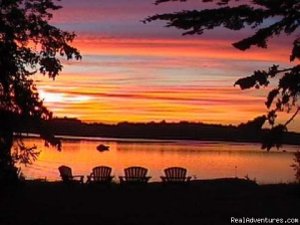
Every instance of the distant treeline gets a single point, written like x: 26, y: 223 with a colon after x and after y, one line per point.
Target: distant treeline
x: 249, y: 132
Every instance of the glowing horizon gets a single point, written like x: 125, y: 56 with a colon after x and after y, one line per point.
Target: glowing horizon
x: 140, y: 73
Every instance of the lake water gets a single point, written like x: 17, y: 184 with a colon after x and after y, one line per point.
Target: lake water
x: 204, y: 160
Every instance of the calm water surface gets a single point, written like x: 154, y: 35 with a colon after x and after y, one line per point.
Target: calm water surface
x: 204, y: 160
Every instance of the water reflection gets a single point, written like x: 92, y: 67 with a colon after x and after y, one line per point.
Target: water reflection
x: 203, y: 160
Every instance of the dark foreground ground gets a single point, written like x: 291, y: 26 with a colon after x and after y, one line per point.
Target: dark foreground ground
x: 202, y: 202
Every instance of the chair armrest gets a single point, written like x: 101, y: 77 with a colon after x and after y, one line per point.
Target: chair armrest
x: 110, y: 178
x: 164, y: 179
x: 175, y: 179
x: 147, y: 178
x: 89, y: 178
x: 80, y: 177
x: 122, y: 179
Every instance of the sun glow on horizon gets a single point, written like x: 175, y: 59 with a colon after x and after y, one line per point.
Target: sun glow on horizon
x: 140, y: 73
x: 64, y: 97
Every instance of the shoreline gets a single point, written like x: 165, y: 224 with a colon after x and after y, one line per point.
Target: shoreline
x: 162, y: 131
x: 144, y: 140
x: 202, y: 202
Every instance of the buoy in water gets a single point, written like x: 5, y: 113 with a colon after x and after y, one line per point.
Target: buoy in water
x: 102, y: 148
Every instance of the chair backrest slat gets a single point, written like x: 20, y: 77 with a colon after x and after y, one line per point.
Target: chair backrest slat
x: 135, y: 172
x: 65, y: 173
x: 101, y: 172
x: 175, y: 173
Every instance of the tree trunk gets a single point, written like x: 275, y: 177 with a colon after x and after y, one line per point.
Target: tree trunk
x: 8, y: 171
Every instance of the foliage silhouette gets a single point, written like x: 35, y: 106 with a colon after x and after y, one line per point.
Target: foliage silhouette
x: 254, y: 14
x: 296, y: 166
x: 28, y: 44
x: 249, y: 132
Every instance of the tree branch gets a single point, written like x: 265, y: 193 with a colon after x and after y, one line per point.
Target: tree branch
x: 292, y: 117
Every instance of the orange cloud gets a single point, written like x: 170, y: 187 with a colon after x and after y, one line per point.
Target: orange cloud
x: 158, y: 79
x: 202, y: 48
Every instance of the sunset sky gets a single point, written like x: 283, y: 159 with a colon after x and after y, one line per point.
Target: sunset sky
x: 131, y: 71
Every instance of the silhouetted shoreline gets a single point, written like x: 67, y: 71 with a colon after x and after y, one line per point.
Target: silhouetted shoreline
x: 248, y: 132
x: 201, y: 202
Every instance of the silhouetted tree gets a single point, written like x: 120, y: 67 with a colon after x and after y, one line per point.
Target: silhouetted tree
x: 254, y: 125
x: 28, y: 44
x: 296, y: 166
x: 270, y: 18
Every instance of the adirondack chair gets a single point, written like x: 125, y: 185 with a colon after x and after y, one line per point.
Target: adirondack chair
x: 100, y: 174
x: 67, y: 176
x: 175, y: 175
x: 135, y: 174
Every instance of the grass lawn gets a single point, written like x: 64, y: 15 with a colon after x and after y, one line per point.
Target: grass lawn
x: 201, y: 202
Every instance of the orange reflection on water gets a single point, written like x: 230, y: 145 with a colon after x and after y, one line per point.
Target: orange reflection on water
x: 204, y: 160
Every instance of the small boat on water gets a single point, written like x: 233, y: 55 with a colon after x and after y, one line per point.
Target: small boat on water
x: 102, y: 148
